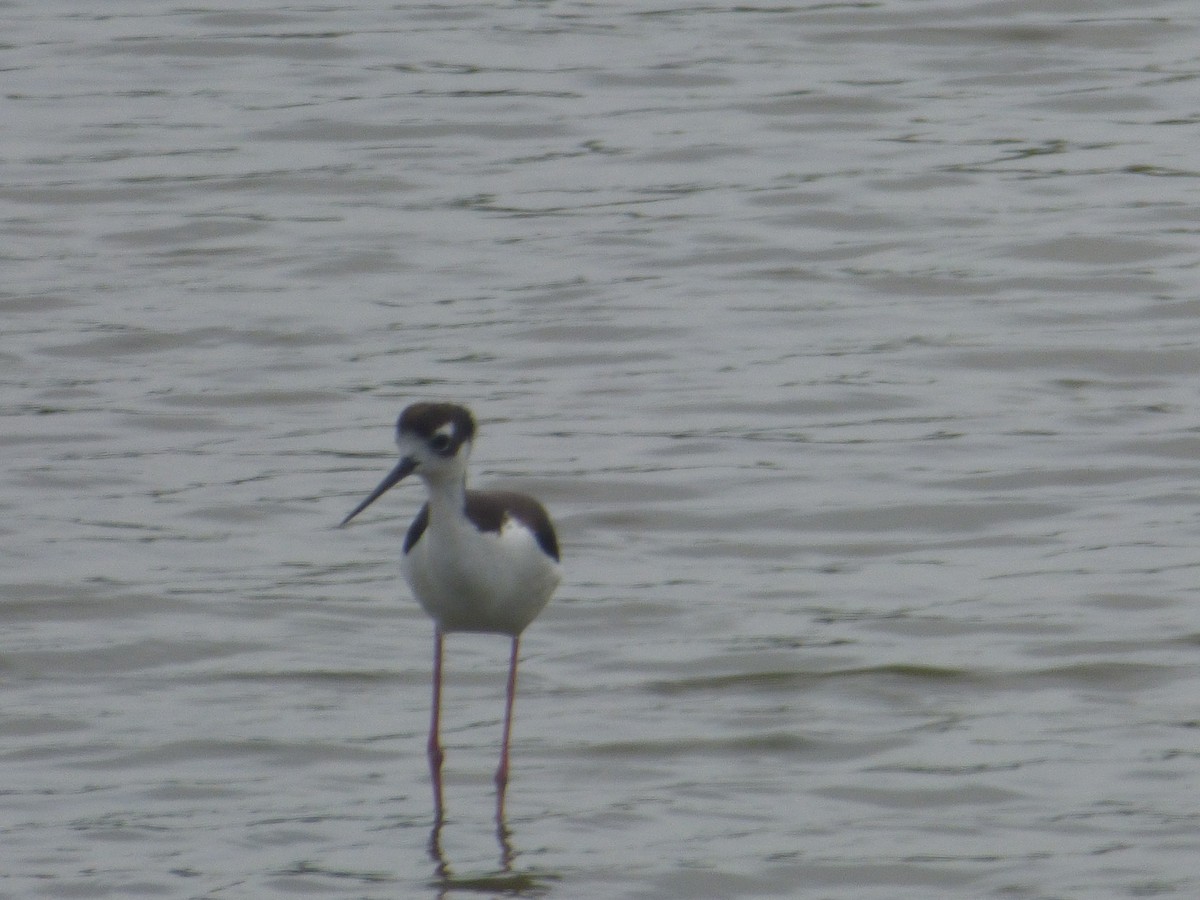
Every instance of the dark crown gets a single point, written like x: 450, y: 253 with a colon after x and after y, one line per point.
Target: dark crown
x: 425, y: 419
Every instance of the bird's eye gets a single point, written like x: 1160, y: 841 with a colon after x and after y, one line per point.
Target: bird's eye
x: 439, y: 443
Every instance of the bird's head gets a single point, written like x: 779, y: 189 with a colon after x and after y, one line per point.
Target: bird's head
x: 434, y: 440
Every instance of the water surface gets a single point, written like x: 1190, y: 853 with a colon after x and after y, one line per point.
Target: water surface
x: 853, y: 346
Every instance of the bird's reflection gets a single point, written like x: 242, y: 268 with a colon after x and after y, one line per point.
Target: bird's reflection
x: 441, y: 867
x: 504, y: 840
x: 503, y: 879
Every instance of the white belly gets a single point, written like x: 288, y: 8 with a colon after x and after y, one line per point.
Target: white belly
x: 469, y: 580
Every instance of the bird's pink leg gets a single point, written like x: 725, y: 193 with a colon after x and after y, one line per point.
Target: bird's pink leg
x: 510, y: 695
x: 434, y: 748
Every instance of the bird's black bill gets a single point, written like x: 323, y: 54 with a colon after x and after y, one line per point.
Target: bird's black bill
x: 403, y: 469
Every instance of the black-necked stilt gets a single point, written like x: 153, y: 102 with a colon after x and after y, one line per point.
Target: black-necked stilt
x: 476, y: 560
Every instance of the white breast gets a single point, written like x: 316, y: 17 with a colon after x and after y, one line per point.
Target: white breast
x: 469, y: 580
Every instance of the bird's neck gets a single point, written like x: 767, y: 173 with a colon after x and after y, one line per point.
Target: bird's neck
x: 448, y: 495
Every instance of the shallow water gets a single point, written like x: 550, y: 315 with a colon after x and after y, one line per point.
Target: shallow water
x: 853, y: 346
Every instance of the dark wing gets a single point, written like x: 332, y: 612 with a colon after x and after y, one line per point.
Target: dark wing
x: 488, y: 509
x: 417, y: 528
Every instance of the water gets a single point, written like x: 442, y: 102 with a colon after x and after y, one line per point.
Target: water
x: 852, y: 345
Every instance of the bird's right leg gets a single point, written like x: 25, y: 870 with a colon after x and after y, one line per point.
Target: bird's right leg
x: 434, y: 748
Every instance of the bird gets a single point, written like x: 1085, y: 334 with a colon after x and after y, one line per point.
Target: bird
x: 476, y: 561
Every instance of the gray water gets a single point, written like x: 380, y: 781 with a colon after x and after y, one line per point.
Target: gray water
x: 854, y: 347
